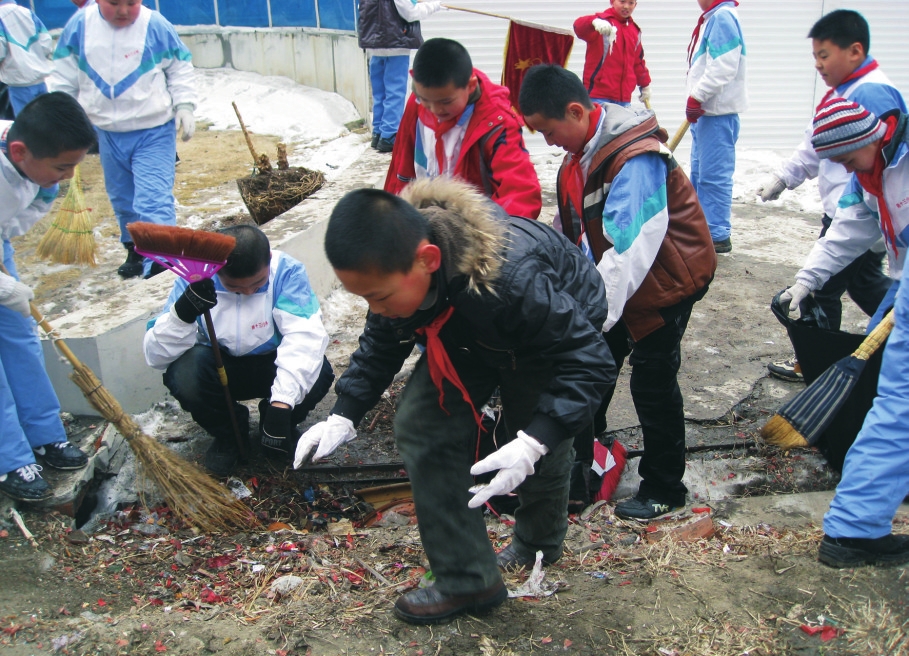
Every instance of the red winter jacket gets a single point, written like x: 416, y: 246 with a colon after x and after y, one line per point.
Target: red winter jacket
x: 613, y: 76
x: 493, y: 157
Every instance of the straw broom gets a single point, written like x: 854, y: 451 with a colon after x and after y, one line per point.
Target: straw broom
x: 70, y: 238
x: 193, y: 255
x: 802, y: 420
x: 191, y: 494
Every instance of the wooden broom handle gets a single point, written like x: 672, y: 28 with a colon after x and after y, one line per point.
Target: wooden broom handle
x: 677, y: 137
x: 875, y: 338
x: 222, y: 374
x: 249, y: 143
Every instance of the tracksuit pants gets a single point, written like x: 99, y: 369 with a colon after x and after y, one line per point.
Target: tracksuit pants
x: 388, y: 77
x: 29, y: 409
x: 875, y: 476
x: 713, y: 141
x: 139, y: 175
x: 19, y: 97
x: 438, y: 446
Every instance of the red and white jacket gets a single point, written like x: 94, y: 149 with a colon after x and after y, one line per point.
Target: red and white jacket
x: 612, y: 74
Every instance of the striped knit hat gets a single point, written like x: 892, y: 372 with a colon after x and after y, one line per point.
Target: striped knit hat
x: 841, y: 126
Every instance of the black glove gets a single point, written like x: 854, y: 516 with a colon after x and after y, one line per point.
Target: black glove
x: 277, y: 429
x: 198, y: 297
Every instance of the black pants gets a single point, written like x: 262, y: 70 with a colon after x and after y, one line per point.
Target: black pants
x: 193, y: 380
x: 655, y: 362
x: 863, y: 279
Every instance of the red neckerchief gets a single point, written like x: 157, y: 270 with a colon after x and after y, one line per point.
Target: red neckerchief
x: 854, y: 75
x: 697, y: 28
x: 873, y: 182
x: 439, y: 128
x: 439, y: 363
x: 573, y: 176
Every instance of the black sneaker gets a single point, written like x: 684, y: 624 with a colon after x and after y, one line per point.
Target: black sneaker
x: 723, y: 246
x: 509, y: 559
x: 374, y: 144
x: 386, y: 145
x: 62, y: 455
x: 221, y: 457
x: 135, y: 263
x: 25, y: 484
x: 789, y: 370
x: 643, y: 508
x: 856, y: 552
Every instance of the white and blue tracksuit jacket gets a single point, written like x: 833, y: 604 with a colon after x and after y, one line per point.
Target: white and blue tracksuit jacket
x: 875, y: 93
x: 856, y: 226
x: 127, y: 78
x: 24, y: 202
x: 284, y: 315
x: 716, y: 77
x: 25, y: 46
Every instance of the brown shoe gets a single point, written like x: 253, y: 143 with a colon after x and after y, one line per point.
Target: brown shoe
x: 428, y: 605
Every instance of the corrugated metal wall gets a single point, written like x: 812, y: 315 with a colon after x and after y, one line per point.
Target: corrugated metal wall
x: 781, y: 78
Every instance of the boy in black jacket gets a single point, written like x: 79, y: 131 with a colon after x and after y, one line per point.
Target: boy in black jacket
x: 499, y: 302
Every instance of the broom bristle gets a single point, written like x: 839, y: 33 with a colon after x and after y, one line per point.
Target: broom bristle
x: 779, y: 432
x: 70, y: 238
x: 179, y: 242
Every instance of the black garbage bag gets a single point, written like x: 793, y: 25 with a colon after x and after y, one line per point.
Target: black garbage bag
x: 817, y: 347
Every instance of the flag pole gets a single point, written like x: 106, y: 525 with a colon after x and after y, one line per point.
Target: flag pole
x: 476, y: 11
x: 547, y: 28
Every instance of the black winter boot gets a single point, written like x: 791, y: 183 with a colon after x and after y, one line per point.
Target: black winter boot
x: 135, y: 263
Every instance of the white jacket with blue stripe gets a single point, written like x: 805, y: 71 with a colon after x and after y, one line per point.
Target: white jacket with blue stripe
x: 127, y: 78
x: 25, y: 46
x: 282, y: 316
x: 716, y: 77
x: 23, y: 201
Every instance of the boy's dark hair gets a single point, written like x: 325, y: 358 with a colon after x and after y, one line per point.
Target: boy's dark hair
x: 373, y: 230
x: 440, y: 61
x: 547, y: 89
x: 51, y: 124
x: 842, y: 27
x: 251, y: 253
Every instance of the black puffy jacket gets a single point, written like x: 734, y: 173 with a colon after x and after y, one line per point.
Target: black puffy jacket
x: 381, y: 26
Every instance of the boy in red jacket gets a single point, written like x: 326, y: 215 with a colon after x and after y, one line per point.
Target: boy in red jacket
x: 614, y: 63
x: 458, y: 123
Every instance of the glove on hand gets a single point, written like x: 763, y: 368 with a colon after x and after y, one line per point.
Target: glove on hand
x: 771, y: 188
x: 195, y: 300
x: 185, y: 121
x: 693, y: 110
x: 792, y: 297
x: 608, y: 30
x: 327, y: 435
x: 15, y: 295
x: 278, y: 427
x: 514, y: 461
x: 645, y: 95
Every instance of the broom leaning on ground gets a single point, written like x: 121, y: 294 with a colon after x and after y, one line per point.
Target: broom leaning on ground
x: 191, y: 494
x: 70, y: 238
x: 802, y: 420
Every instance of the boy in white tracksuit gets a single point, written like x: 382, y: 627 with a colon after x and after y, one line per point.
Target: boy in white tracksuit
x: 25, y: 51
x: 134, y: 77
x: 716, y: 97
x: 269, y: 327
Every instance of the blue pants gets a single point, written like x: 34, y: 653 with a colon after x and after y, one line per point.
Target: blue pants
x: 19, y: 97
x: 876, y: 472
x: 139, y: 175
x: 29, y: 409
x: 712, y: 165
x: 388, y: 77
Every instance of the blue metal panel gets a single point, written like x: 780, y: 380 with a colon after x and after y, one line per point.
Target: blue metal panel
x: 53, y: 13
x: 293, y: 13
x: 186, y: 12
x: 337, y: 14
x: 245, y: 13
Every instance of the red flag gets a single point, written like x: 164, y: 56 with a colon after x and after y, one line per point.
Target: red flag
x: 529, y: 44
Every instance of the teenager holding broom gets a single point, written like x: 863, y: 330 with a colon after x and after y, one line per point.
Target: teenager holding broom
x: 269, y: 327
x: 49, y: 137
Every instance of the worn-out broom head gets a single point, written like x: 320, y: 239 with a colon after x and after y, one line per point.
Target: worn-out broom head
x: 779, y: 432
x: 191, y: 254
x: 70, y: 238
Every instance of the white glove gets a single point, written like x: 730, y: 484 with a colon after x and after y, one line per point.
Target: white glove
x: 436, y: 6
x: 15, y: 295
x: 604, y: 27
x: 645, y: 95
x: 771, y: 188
x: 185, y: 121
x: 514, y: 461
x: 792, y: 297
x: 327, y: 435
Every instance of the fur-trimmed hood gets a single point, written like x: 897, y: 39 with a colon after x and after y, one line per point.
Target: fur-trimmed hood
x: 464, y: 227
